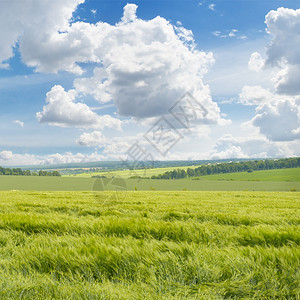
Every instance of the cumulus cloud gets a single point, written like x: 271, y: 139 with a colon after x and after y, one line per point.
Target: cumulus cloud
x: 256, y: 62
x: 147, y: 66
x: 115, y: 145
x: 95, y: 138
x: 283, y: 24
x: 38, y: 28
x: 129, y: 13
x: 6, y: 155
x: 276, y: 116
x: 143, y: 66
x: 279, y: 121
x: 61, y: 109
x: 8, y: 158
x: 283, y: 52
x: 255, y: 95
x: 69, y: 157
x: 252, y: 147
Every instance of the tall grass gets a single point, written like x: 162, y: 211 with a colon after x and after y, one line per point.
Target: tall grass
x: 151, y: 245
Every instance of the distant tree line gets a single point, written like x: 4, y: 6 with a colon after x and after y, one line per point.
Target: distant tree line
x: 231, y: 167
x: 20, y: 172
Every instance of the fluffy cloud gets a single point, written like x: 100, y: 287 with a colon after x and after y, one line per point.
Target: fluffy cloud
x: 129, y: 13
x: 255, y: 95
x: 95, y: 138
x: 279, y: 121
x: 147, y: 66
x: 283, y: 52
x: 63, y: 110
x: 283, y: 24
x: 252, y: 147
x: 69, y: 157
x: 256, y: 62
x: 143, y: 66
x: 278, y: 113
x: 111, y: 146
x: 276, y: 116
x: 35, y: 25
x: 6, y: 155
x: 8, y: 158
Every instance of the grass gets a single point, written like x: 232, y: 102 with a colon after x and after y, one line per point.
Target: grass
x: 90, y: 184
x: 292, y: 174
x: 128, y: 173
x: 149, y: 245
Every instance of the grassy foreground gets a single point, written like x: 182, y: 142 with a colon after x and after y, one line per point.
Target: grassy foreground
x: 149, y: 245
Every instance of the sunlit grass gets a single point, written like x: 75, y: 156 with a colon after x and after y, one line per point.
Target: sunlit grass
x: 149, y: 245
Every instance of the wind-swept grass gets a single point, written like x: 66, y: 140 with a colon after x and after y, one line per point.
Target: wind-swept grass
x: 149, y: 245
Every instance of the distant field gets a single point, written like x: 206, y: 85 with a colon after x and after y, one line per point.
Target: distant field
x: 149, y: 245
x: 292, y: 174
x: 89, y: 184
x: 129, y: 173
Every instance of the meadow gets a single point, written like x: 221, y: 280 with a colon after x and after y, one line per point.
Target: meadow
x: 128, y: 173
x: 271, y: 180
x: 289, y: 174
x: 149, y: 245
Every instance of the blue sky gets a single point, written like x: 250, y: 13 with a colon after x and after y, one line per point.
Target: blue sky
x: 87, y: 80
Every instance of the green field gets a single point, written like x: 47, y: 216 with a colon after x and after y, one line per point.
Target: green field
x: 128, y: 173
x: 292, y: 174
x: 271, y: 180
x: 149, y: 245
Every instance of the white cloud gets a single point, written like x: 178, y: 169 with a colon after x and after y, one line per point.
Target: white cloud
x: 252, y: 147
x: 129, y: 13
x: 233, y: 33
x: 6, y: 155
x: 111, y: 146
x: 276, y: 116
x: 142, y: 77
x: 212, y: 6
x: 8, y: 158
x: 61, y: 109
x: 279, y: 121
x: 255, y: 95
x: 95, y: 138
x: 216, y: 33
x: 256, y: 62
x: 147, y: 66
x: 19, y: 123
x: 286, y: 81
x: 283, y: 52
x: 36, y: 26
x: 69, y: 157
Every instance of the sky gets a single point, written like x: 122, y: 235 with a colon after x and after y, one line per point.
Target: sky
x: 104, y: 80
